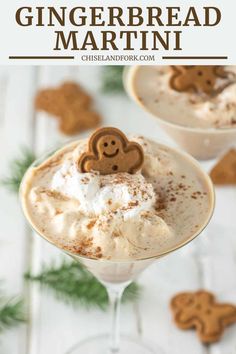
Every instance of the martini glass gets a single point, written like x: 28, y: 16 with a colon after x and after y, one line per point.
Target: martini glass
x: 116, y: 276
x: 205, y: 144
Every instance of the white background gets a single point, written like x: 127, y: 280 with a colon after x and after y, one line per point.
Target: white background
x: 208, y: 262
x: 213, y: 41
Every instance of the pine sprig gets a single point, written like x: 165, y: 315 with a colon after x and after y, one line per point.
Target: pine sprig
x: 11, y: 313
x: 73, y: 284
x: 18, y: 167
x: 112, y: 81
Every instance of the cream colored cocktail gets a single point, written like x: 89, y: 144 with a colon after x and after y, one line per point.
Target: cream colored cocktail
x: 203, y: 125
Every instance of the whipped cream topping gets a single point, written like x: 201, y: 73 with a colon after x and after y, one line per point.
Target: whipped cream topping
x: 221, y: 111
x: 118, y: 216
x: 152, y: 89
x: 104, y: 193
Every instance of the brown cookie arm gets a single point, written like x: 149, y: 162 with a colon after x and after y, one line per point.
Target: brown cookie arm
x: 180, y: 80
x: 179, y: 305
x: 94, y: 164
x: 209, y: 337
x: 178, y: 69
x: 134, y: 157
x: 83, y: 161
x: 71, y: 122
x: 214, y: 325
x: 91, y: 163
x: 211, y: 326
x: 174, y: 81
x: 227, y: 313
x: 89, y: 119
x: 47, y: 100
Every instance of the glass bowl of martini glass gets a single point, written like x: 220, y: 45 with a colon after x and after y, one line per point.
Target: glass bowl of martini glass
x: 116, y: 225
x: 204, y: 125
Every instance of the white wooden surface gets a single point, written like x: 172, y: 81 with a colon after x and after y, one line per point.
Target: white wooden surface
x: 209, y: 261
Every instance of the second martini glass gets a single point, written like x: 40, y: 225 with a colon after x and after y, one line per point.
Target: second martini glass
x: 205, y: 144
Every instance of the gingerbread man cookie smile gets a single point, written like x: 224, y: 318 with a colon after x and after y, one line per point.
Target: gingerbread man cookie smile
x: 109, y: 151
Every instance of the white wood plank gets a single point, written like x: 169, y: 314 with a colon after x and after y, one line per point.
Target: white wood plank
x: 221, y: 263
x: 168, y: 276
x: 16, y: 87
x: 46, y: 137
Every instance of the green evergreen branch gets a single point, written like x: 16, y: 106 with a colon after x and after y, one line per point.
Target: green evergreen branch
x: 11, y: 313
x: 18, y: 167
x: 112, y: 80
x: 73, y: 284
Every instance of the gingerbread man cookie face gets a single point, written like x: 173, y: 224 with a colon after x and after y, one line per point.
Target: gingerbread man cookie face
x: 201, y: 79
x: 200, y: 310
x: 109, y: 151
x: 109, y: 146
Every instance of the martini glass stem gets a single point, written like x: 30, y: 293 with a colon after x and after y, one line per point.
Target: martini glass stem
x: 115, y: 292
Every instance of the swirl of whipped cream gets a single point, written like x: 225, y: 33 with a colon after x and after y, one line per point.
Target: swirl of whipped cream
x: 98, y: 194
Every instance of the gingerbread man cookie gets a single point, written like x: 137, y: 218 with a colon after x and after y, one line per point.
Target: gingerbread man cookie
x: 109, y: 151
x: 197, y: 78
x: 71, y: 105
x: 200, y: 310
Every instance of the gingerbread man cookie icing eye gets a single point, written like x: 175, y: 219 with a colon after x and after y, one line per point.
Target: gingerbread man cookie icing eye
x: 109, y: 151
x: 201, y: 79
x: 200, y: 310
